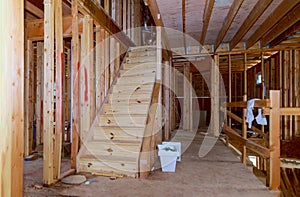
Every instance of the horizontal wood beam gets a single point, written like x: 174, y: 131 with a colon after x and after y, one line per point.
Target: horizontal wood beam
x: 236, y: 5
x: 209, y: 5
x: 105, y: 21
x: 34, y: 10
x: 256, y: 12
x: 284, y: 24
x: 243, y: 104
x: 35, y: 28
x: 281, y: 10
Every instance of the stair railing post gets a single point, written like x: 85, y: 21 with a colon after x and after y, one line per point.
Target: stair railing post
x: 274, y: 140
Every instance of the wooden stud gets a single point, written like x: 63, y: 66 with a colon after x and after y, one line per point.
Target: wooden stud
x: 229, y: 85
x: 12, y: 97
x: 166, y: 85
x: 75, y: 85
x: 285, y: 92
x: 85, y: 84
x: 29, y: 72
x: 274, y: 140
x: 159, y: 79
x: 59, y: 75
x: 98, y: 69
x: 244, y: 129
x: 39, y: 91
x: 124, y: 16
x: 92, y: 77
x: 296, y: 88
x: 48, y: 112
x: 214, y: 94
x: 186, y: 97
x: 291, y: 65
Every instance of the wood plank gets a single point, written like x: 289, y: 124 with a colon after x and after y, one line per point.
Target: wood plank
x: 209, y: 5
x: 273, y: 18
x: 118, y: 133
x: 39, y: 93
x: 159, y: 36
x: 257, y: 103
x: 29, y: 76
x: 35, y: 28
x: 274, y: 140
x: 122, y: 120
x: 48, y: 113
x: 260, y: 150
x: 98, y: 66
x: 235, y: 7
x: 106, y: 22
x: 149, y: 143
x: 75, y: 85
x: 296, y: 90
x: 167, y: 115
x: 33, y: 9
x: 255, y: 13
x: 85, y: 84
x: 59, y: 75
x: 12, y: 97
x: 186, y: 99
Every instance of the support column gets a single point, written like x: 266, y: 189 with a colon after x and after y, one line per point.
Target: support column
x: 11, y: 97
x: 166, y: 85
x: 48, y: 118
x: 75, y: 85
x: 244, y: 129
x: 59, y: 75
x: 215, y: 97
x: 186, y: 97
x: 159, y: 79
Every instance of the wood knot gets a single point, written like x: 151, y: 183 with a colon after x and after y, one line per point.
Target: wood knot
x: 110, y: 150
x: 108, y: 121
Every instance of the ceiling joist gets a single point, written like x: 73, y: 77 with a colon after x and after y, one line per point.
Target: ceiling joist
x: 236, y: 5
x: 256, y: 12
x: 273, y: 18
x: 34, y: 10
x: 206, y: 18
x: 283, y: 25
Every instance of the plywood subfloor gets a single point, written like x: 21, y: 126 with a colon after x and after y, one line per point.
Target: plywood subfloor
x: 219, y: 173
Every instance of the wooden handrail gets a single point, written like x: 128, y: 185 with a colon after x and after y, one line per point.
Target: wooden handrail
x: 260, y: 150
x: 243, y: 104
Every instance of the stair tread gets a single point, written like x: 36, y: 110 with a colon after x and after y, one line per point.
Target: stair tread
x: 109, y: 158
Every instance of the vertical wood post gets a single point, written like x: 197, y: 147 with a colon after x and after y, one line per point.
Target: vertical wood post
x: 98, y: 68
x: 159, y: 79
x: 59, y: 75
x: 244, y: 129
x: 11, y: 97
x: 29, y: 98
x: 229, y: 86
x: 274, y: 139
x: 48, y: 93
x: 186, y: 97
x: 215, y: 97
x: 166, y: 89
x: 75, y: 84
x: 85, y: 84
x: 39, y: 93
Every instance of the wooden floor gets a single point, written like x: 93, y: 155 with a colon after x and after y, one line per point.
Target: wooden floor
x: 219, y: 173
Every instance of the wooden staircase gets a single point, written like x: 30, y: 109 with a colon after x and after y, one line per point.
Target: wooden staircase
x: 113, y: 146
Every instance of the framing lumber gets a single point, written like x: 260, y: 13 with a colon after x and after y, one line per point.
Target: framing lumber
x: 272, y: 19
x: 209, y: 5
x: 35, y: 28
x: 39, y: 93
x: 85, y: 84
x: 48, y: 112
x: 159, y: 80
x: 186, y: 97
x: 290, y: 31
x: 106, y: 22
x: 12, y: 97
x: 75, y: 85
x: 98, y: 69
x: 256, y: 12
x: 214, y: 122
x: 34, y: 10
x: 274, y: 140
x: 236, y: 5
x: 59, y: 75
x: 28, y: 124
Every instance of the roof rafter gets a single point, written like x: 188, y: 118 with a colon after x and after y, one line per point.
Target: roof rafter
x: 34, y: 10
x: 236, y: 5
x: 254, y: 15
x: 284, y: 24
x: 209, y: 5
x: 272, y: 19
